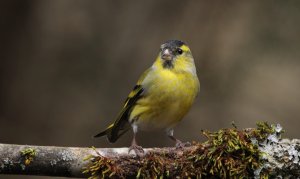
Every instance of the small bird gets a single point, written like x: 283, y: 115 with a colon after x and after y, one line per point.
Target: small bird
x: 162, y: 96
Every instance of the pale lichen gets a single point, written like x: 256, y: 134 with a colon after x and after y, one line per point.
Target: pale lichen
x: 281, y: 155
x: 53, y: 162
x: 265, y: 146
x: 66, y: 156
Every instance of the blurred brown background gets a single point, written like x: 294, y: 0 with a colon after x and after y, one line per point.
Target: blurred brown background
x: 66, y: 66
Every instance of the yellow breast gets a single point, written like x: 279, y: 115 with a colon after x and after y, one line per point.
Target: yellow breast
x: 168, y: 97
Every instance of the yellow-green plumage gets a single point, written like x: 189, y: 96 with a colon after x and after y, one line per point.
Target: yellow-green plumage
x: 163, y: 94
x: 168, y: 98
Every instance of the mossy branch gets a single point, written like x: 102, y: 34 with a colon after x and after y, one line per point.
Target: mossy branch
x: 251, y: 153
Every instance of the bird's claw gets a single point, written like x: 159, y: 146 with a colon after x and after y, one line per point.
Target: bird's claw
x: 180, y: 145
x: 137, y: 149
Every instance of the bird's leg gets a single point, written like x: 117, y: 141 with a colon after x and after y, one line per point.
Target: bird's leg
x: 178, y: 143
x: 137, y: 149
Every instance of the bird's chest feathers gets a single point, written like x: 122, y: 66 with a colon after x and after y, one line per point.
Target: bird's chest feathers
x: 167, y: 99
x: 169, y: 88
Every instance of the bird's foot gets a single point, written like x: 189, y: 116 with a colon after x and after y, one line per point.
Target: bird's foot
x: 137, y: 149
x: 180, y: 145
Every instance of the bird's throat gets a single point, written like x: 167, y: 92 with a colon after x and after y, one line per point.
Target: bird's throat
x: 167, y: 64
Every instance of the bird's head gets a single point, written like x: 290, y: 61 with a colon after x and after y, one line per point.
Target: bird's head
x: 176, y: 56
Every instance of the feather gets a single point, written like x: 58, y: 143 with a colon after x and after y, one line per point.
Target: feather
x: 121, y: 125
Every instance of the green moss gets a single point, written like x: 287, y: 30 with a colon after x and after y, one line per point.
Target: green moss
x: 101, y: 167
x: 154, y: 166
x: 227, y: 153
x: 28, y: 155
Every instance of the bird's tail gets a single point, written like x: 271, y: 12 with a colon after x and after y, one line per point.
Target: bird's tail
x: 112, y: 133
x: 105, y: 132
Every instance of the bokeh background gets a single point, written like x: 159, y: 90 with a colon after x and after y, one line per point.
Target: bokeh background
x: 66, y: 66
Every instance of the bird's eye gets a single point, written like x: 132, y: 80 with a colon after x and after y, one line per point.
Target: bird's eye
x: 179, y: 51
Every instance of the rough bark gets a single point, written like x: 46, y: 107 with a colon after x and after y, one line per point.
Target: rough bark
x: 281, y: 159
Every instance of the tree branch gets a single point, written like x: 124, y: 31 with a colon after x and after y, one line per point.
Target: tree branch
x: 48, y: 160
x: 226, y: 153
x: 65, y: 161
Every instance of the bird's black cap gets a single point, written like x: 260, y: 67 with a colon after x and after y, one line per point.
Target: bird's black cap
x: 172, y: 44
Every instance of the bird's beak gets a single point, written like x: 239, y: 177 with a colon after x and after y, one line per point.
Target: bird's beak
x: 166, y: 54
